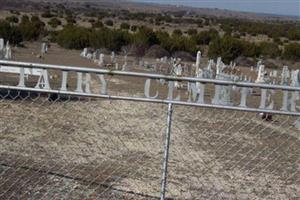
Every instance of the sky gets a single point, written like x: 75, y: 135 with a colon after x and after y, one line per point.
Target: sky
x: 281, y: 7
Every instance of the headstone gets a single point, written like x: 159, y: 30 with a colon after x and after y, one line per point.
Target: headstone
x: 97, y: 54
x: 262, y: 75
x: 8, y: 53
x: 44, y: 48
x: 289, y: 102
x: 89, y: 56
x: 1, y: 44
x: 124, y: 67
x: 113, y: 57
x: 101, y: 60
x: 141, y: 64
x: 220, y: 66
x: 285, y: 75
x: 198, y: 61
x: 259, y: 63
x: 84, y: 52
x: 178, y: 72
x: 245, y: 91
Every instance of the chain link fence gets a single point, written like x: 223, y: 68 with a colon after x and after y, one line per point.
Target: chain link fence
x: 64, y: 145
x: 68, y: 147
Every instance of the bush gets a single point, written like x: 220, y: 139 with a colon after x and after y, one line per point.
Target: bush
x: 133, y: 28
x: 227, y: 47
x: 10, y: 33
x: 73, y: 37
x: 125, y: 26
x: 250, y: 49
x: 92, y: 21
x: 177, y: 32
x: 269, y: 49
x: 47, y: 14
x: 292, y: 51
x: 31, y: 30
x: 204, y: 37
x: 70, y: 20
x: 109, y: 22
x: 145, y: 36
x: 54, y: 22
x: 98, y: 24
x: 12, y: 19
x: 192, y: 32
x: 293, y: 34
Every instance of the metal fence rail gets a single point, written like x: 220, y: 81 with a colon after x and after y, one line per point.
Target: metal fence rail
x: 68, y: 144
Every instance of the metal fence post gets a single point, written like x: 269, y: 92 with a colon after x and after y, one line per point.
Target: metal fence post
x: 166, y: 153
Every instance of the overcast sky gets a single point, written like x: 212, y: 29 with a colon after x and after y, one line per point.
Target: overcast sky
x: 282, y: 7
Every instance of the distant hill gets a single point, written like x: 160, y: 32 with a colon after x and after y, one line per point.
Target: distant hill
x: 138, y: 7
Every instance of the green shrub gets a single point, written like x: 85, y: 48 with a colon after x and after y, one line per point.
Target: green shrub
x: 12, y: 19
x: 192, y: 32
x: 33, y: 29
x: 269, y: 49
x: 10, y: 33
x: 177, y: 32
x: 292, y: 51
x: 133, y: 28
x: 204, y: 37
x: 109, y: 22
x: 227, y: 47
x: 54, y: 22
x: 98, y: 24
x: 125, y: 26
x: 47, y: 14
x: 73, y: 37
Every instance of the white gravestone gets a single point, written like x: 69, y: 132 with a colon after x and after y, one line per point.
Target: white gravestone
x: 1, y: 44
x: 44, y: 48
x: 259, y: 63
x: 8, y: 52
x: 285, y: 75
x: 84, y: 52
x: 198, y: 61
x: 262, y: 75
x: 113, y: 57
x: 178, y: 72
x: 124, y: 67
x: 289, y: 101
x: 101, y: 60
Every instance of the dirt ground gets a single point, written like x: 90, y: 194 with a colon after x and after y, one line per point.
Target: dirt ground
x: 84, y: 148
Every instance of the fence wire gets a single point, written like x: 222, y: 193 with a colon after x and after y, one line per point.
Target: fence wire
x: 68, y: 147
x: 219, y: 154
x: 55, y: 147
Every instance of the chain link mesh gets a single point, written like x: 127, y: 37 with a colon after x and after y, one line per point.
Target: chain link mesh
x: 66, y: 147
x: 56, y: 146
x: 62, y: 147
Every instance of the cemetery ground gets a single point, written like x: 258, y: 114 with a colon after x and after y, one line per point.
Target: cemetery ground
x: 98, y: 149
